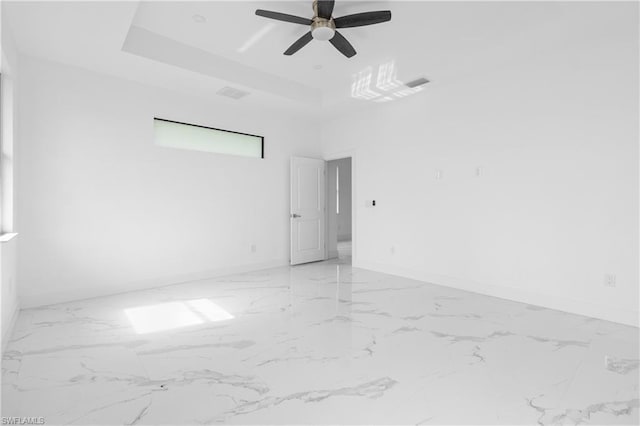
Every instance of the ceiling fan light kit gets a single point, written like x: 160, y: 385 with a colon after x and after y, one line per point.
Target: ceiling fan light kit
x: 323, y: 29
x: 323, y: 25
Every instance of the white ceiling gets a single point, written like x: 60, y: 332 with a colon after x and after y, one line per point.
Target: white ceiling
x: 159, y: 43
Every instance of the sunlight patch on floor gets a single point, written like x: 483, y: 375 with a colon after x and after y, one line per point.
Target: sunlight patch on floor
x: 172, y: 315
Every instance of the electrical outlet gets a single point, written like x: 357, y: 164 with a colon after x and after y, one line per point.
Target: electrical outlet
x: 479, y: 171
x: 610, y: 280
x: 439, y: 174
x: 253, y: 248
x: 392, y: 250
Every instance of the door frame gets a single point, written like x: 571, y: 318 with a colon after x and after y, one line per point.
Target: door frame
x: 337, y: 155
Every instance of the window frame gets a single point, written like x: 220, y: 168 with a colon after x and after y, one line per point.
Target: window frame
x: 219, y: 130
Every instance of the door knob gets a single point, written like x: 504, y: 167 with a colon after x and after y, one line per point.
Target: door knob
x: 293, y: 215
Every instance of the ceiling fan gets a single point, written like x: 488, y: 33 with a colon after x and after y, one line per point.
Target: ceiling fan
x: 323, y: 25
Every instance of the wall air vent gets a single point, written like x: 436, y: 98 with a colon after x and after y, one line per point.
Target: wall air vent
x: 230, y: 92
x: 417, y: 82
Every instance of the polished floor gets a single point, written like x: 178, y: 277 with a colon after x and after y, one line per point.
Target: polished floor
x: 322, y: 343
x: 344, y: 250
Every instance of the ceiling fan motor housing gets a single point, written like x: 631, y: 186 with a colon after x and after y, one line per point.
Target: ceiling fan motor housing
x: 323, y: 29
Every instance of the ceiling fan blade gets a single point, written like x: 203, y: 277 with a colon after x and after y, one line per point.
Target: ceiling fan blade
x: 362, y: 19
x: 325, y: 8
x: 283, y: 17
x: 341, y: 43
x: 299, y: 44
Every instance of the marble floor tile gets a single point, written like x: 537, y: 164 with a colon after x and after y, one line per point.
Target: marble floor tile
x: 320, y: 343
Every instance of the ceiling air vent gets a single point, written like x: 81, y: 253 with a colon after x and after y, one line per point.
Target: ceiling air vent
x: 417, y: 82
x: 230, y: 92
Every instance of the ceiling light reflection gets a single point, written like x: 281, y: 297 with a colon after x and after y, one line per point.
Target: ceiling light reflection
x: 361, y: 87
x: 256, y: 37
x: 387, y: 88
x: 172, y: 315
x: 407, y: 92
x: 387, y: 77
x: 383, y: 99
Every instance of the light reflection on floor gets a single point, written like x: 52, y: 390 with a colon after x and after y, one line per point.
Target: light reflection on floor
x: 172, y: 315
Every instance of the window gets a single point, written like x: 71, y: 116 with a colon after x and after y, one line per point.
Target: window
x: 337, y: 190
x: 173, y: 134
x: 7, y: 135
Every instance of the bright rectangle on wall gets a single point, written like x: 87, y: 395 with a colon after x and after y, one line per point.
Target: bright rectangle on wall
x: 173, y: 134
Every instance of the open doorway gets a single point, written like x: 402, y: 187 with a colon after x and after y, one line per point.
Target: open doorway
x: 339, y: 194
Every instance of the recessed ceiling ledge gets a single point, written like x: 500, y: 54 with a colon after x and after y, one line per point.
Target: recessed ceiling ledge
x: 150, y: 45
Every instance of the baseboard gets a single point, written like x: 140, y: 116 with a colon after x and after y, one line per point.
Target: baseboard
x: 73, y: 295
x: 8, y: 330
x: 579, y: 307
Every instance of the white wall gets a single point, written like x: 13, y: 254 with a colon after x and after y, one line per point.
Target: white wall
x: 10, y: 303
x: 103, y: 210
x: 555, y: 130
x: 9, y: 296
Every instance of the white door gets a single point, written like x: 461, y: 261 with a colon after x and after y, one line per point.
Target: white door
x: 307, y: 215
